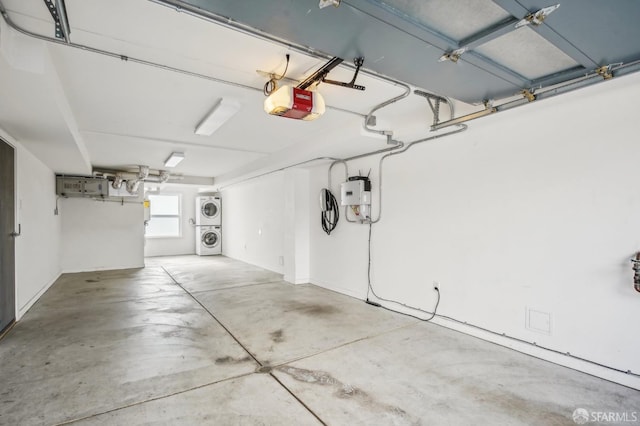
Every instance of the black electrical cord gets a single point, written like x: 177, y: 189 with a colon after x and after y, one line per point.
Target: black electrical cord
x: 370, y: 289
x: 330, y: 211
x: 271, y: 85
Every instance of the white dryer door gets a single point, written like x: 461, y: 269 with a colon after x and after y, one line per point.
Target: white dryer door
x: 210, y: 239
x: 210, y: 209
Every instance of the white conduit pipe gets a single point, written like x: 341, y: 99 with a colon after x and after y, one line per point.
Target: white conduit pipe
x: 398, y: 149
x: 16, y: 27
x: 461, y: 128
x: 406, y: 148
x: 310, y: 52
x: 387, y: 133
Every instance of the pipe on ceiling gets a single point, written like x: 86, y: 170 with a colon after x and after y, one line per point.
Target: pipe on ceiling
x: 397, y: 149
x: 369, y: 116
x: 132, y: 180
x: 110, y: 54
x: 552, y: 91
x: 26, y: 32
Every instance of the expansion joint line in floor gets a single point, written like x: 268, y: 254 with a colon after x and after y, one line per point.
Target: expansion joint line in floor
x: 234, y: 287
x: 244, y: 347
x: 372, y: 336
x: 214, y: 317
x: 298, y: 399
x: 239, y: 376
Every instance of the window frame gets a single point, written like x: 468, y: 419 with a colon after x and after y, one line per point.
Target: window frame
x: 179, y: 215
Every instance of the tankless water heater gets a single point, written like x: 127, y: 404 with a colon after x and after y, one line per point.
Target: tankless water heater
x: 356, y: 193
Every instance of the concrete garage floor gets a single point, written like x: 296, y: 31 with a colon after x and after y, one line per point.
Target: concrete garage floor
x: 209, y: 340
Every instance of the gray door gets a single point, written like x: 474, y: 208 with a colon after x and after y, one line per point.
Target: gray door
x: 7, y: 245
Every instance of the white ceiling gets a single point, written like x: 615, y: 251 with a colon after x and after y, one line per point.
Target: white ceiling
x: 76, y: 109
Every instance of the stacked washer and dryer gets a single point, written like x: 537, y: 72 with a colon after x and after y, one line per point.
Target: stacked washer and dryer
x: 208, y: 225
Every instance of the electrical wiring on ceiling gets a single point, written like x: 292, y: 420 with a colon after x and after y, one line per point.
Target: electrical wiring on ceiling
x: 272, y: 85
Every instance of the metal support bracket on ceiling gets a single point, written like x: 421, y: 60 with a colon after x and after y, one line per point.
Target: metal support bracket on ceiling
x: 453, y: 56
x: 537, y: 18
x: 58, y: 11
x: 480, y: 38
x: 605, y: 72
x: 434, y: 103
x: 350, y: 85
x: 324, y: 3
x: 321, y: 74
x: 528, y: 95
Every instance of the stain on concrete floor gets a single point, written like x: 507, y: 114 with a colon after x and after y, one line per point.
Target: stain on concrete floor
x: 345, y: 391
x: 311, y: 309
x: 232, y: 360
x: 277, y: 336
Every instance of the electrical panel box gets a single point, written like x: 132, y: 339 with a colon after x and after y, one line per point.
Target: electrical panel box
x: 79, y: 186
x: 351, y: 192
x: 355, y: 192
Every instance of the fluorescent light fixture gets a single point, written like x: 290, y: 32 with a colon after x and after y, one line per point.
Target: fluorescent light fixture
x: 222, y: 111
x: 174, y: 159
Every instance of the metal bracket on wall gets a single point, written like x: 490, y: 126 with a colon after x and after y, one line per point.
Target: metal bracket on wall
x: 58, y: 12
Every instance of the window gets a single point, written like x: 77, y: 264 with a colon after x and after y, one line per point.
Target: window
x: 165, y: 216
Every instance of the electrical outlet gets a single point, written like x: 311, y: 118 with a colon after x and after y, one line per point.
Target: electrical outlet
x: 436, y: 285
x: 281, y: 260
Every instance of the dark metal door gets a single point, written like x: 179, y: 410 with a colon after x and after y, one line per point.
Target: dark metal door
x: 7, y: 243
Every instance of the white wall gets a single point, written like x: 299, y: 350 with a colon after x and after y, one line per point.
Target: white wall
x: 534, y: 209
x: 297, y: 215
x: 38, y: 247
x: 185, y: 244
x: 253, y: 221
x: 102, y: 235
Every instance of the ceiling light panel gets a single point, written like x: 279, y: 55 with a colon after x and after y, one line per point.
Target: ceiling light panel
x: 454, y: 19
x: 222, y: 112
x: 174, y: 159
x: 527, y: 53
